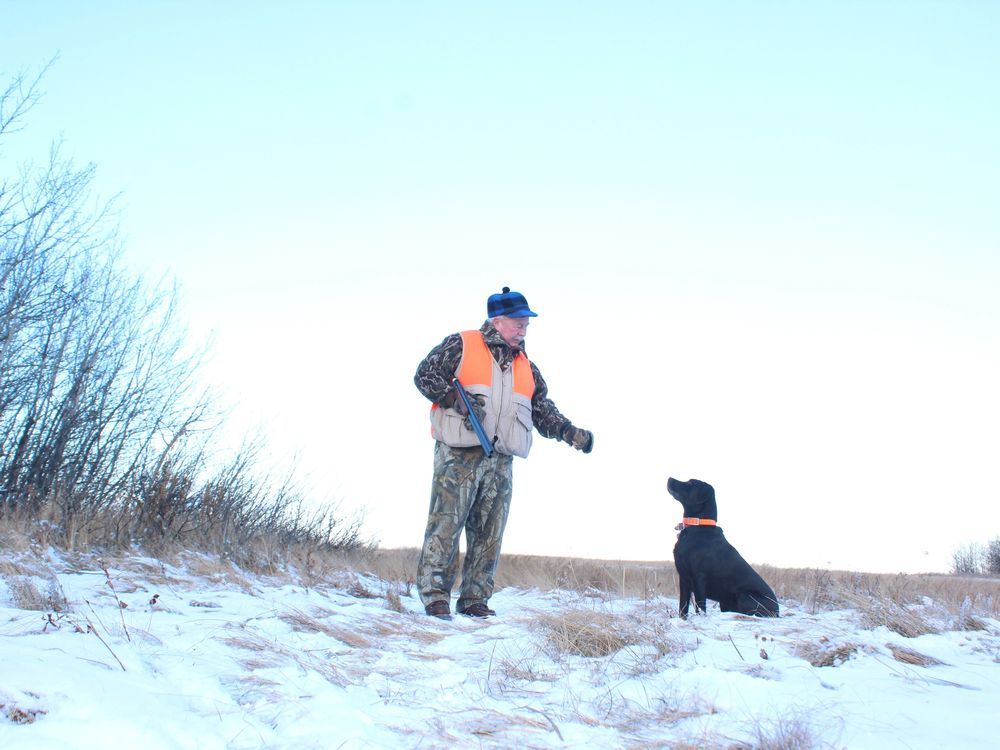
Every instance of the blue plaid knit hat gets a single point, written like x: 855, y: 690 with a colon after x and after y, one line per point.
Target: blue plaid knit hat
x: 511, y: 304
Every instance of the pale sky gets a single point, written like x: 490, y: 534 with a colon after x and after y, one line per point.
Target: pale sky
x: 763, y: 240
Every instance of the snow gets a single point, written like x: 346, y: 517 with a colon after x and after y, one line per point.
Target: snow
x: 227, y: 659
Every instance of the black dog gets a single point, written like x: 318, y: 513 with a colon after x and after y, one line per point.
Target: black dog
x: 710, y: 567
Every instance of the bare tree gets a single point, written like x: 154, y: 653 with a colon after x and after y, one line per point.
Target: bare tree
x: 103, y: 424
x: 991, y: 557
x: 967, y: 560
x: 94, y: 380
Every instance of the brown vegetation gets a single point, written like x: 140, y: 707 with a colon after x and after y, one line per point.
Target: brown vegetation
x: 886, y: 597
x: 107, y: 438
x: 793, y: 732
x: 18, y: 715
x: 909, y: 656
x: 27, y: 595
x: 585, y: 633
x: 826, y: 653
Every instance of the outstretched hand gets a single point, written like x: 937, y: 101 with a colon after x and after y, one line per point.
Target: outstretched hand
x: 581, y: 439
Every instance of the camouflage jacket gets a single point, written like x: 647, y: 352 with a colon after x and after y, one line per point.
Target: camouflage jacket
x: 435, y: 373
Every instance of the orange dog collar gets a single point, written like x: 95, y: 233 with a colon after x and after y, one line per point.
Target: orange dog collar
x: 698, y: 522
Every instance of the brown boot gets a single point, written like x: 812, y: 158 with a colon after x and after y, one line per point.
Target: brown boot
x: 438, y: 609
x: 477, y: 609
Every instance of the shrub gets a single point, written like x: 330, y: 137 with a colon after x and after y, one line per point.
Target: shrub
x: 104, y: 428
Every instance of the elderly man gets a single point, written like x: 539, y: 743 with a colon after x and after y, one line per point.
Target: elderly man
x: 470, y: 489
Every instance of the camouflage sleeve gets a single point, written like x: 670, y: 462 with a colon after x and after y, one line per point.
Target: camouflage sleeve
x: 435, y: 372
x: 545, y: 416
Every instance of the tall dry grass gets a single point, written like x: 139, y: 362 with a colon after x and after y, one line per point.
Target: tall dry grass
x: 263, y: 536
x: 885, y: 595
x: 891, y: 600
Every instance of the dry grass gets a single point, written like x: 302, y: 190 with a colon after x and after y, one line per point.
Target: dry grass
x: 581, y: 632
x: 19, y: 566
x: 826, y: 653
x: 18, y: 715
x: 964, y: 601
x: 819, y: 590
x: 970, y: 622
x: 426, y: 636
x: 348, y: 581
x: 644, y: 580
x: 877, y: 612
x: 393, y: 600
x: 652, y: 629
x: 815, y: 590
x: 495, y: 725
x: 26, y: 594
x: 786, y: 733
x: 662, y: 710
x: 303, y: 623
x: 264, y: 653
x: 619, y: 578
x: 387, y: 564
x: 217, y: 570
x: 706, y: 742
x: 205, y: 605
x: 253, y: 690
x: 909, y: 656
x: 964, y: 619
x: 380, y: 629
x: 523, y: 670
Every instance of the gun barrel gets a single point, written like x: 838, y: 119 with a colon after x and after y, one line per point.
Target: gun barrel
x: 473, y: 419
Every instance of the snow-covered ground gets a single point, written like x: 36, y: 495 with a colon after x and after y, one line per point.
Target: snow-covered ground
x: 207, y: 660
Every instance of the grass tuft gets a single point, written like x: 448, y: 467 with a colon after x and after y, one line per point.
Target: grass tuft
x: 909, y: 656
x: 824, y: 653
x: 393, y: 600
x: 885, y: 612
x: 784, y: 733
x: 582, y: 632
x: 26, y: 594
x: 303, y: 623
x: 17, y: 715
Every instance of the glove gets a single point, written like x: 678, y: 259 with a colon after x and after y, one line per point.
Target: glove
x: 478, y: 402
x: 582, y: 440
x: 454, y: 401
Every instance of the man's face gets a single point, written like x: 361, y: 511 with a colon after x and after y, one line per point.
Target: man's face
x: 512, y: 330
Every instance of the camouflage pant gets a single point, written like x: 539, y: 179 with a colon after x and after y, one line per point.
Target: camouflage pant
x: 473, y: 492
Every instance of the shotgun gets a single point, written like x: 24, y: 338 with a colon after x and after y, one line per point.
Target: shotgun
x: 473, y: 419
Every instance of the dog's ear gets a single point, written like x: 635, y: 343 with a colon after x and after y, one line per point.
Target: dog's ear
x: 704, y: 486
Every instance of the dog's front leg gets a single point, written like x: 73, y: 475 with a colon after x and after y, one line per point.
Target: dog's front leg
x: 684, y: 598
x: 700, y: 593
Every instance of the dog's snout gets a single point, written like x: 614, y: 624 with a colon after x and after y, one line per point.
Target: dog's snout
x: 676, y: 487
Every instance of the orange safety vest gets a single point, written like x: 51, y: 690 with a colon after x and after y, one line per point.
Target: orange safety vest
x: 507, y: 393
x: 476, y: 367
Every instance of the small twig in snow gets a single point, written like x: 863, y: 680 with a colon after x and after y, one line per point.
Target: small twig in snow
x: 549, y: 719
x: 94, y: 631
x: 735, y: 646
x: 121, y: 605
x: 489, y: 667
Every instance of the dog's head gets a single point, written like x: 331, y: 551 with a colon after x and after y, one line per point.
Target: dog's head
x: 697, y: 497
